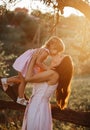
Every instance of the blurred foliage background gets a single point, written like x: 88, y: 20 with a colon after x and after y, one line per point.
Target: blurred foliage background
x: 20, y: 31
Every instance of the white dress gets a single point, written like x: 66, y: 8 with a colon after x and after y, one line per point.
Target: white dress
x: 38, y: 112
x: 22, y: 62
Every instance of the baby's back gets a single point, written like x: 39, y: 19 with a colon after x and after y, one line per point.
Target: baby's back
x: 43, y: 53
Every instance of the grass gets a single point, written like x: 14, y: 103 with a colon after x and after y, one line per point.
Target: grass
x: 79, y: 100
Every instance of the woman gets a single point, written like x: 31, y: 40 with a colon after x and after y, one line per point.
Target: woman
x: 38, y: 112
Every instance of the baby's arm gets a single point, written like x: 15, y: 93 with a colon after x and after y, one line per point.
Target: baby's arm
x: 40, y: 59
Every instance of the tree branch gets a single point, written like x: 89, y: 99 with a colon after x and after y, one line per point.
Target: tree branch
x: 72, y: 116
x: 67, y: 115
x: 80, y: 5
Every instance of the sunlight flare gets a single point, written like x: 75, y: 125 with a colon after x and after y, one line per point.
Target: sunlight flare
x: 34, y: 5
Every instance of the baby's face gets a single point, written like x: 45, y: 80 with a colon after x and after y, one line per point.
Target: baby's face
x: 53, y: 49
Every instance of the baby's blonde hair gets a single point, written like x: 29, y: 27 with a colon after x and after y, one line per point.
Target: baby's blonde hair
x: 57, y: 41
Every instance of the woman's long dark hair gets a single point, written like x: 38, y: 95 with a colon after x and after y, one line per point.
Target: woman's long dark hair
x: 65, y: 70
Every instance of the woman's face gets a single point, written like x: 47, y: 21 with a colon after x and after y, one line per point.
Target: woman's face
x: 56, y: 60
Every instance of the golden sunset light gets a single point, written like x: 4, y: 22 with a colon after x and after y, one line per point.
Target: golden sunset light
x: 44, y: 64
x: 35, y: 4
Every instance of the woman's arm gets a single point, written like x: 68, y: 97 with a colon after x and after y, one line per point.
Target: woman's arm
x: 50, y: 76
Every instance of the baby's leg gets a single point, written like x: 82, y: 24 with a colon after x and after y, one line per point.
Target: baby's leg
x: 10, y: 81
x: 14, y: 79
x: 21, y: 88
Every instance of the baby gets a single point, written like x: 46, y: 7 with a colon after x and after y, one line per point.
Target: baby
x: 53, y: 47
